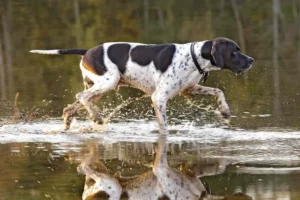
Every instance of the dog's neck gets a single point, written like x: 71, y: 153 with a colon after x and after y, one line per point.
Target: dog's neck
x: 204, y: 57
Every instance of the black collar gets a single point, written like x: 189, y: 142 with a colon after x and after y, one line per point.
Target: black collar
x: 194, y: 57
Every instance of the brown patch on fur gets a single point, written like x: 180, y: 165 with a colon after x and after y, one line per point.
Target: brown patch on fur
x: 93, y: 60
x: 88, y: 67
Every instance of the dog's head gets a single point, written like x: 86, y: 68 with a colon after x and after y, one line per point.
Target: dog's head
x: 225, y: 54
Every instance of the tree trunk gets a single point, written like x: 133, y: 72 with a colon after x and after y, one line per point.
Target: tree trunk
x: 146, y: 16
x: 162, y: 25
x: 298, y: 31
x: 2, y: 74
x: 239, y: 25
x: 6, y: 25
x: 240, y: 29
x: 78, y: 23
x: 208, y: 19
x: 276, y: 78
x: 296, y: 8
x: 222, y: 5
x: 161, y: 18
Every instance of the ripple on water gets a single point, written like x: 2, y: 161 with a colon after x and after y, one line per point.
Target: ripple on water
x: 277, y: 146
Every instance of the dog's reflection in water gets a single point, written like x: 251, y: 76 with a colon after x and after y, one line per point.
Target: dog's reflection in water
x: 161, y: 183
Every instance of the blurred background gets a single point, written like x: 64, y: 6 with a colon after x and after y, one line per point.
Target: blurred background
x: 267, y: 30
x: 267, y: 96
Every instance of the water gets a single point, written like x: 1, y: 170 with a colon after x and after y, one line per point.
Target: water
x: 260, y: 147
x: 40, y: 159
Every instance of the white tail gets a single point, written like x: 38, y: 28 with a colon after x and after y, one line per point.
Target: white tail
x: 50, y: 52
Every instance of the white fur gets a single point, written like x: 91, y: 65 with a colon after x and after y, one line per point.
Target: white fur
x: 181, y: 76
x: 50, y: 52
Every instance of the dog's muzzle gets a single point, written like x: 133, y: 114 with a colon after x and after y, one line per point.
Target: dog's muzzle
x: 246, y: 67
x: 250, y: 61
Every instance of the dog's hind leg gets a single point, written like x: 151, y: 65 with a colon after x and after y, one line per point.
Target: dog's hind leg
x: 199, y: 89
x: 70, y: 111
x: 102, y: 84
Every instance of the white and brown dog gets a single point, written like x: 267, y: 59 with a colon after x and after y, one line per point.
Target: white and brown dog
x: 161, y: 71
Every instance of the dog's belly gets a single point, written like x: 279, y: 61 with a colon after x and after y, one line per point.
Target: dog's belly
x: 148, y: 79
x: 141, y: 77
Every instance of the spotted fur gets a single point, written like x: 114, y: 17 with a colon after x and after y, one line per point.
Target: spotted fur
x: 119, y: 54
x: 160, y: 55
x: 162, y: 182
x: 161, y: 71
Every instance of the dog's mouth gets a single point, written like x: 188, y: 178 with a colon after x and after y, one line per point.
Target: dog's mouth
x: 240, y: 70
x: 249, y: 67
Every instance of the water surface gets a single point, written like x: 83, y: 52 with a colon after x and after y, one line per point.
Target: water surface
x: 40, y: 159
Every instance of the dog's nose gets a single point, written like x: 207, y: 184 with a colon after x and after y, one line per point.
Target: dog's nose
x: 251, y: 60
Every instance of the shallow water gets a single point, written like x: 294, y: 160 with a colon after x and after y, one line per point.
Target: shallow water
x: 39, y: 160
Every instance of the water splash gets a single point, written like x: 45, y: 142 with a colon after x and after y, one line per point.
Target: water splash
x: 122, y: 105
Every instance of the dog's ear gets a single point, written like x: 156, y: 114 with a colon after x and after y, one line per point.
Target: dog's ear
x: 217, y: 52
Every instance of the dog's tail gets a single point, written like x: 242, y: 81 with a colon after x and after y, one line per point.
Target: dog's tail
x: 61, y: 51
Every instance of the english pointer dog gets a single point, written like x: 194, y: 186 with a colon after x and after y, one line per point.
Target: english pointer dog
x: 160, y: 70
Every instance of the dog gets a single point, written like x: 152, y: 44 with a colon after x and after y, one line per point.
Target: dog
x: 160, y: 70
x: 162, y: 182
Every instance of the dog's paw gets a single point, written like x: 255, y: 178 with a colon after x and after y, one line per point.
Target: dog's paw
x: 67, y: 121
x: 225, y: 112
x: 67, y: 127
x: 98, y: 122
x: 97, y: 119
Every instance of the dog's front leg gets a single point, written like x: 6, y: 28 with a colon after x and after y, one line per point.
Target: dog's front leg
x: 160, y: 104
x: 161, y: 153
x: 223, y: 106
